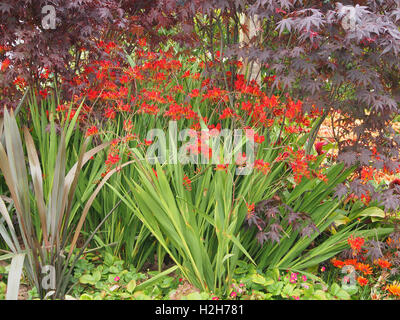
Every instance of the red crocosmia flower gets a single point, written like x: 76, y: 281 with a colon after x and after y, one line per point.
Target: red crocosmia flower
x: 305, y: 122
x: 366, y: 198
x: 318, y: 147
x: 149, y: 109
x: 154, y: 95
x: 221, y: 167
x: 238, y: 64
x: 91, y: 131
x: 247, y: 106
x: 194, y: 93
x: 128, y: 137
x: 151, y: 56
x: 142, y: 42
x: 350, y: 262
x: 337, y: 263
x: 110, y: 46
x: 290, y: 113
x: 178, y: 88
x: 175, y: 111
x: 128, y: 126
x: 115, y: 142
x: 250, y: 207
x: 187, y: 183
x: 258, y: 139
x: 216, y: 127
x: 227, y: 113
x: 112, y: 159
x: 356, y: 244
x: 19, y: 81
x: 292, y: 129
x: 272, y: 102
x: 196, y: 126
x: 92, y: 94
x: 269, y: 80
x: 300, y: 169
x: 322, y: 177
x: 86, y: 109
x: 147, y: 142
x: 72, y: 114
x: 367, y: 174
x: 160, y: 76
x: 125, y: 107
x: 43, y: 93
x: 124, y: 79
x: 282, y: 156
x: 45, y: 74
x: 216, y: 94
x: 109, y: 113
x: 205, y: 83
x: 123, y: 92
x: 310, y: 157
x: 5, y: 64
x: 362, y: 281
x: 262, y: 166
x: 384, y: 264
x: 186, y: 74
x: 61, y: 108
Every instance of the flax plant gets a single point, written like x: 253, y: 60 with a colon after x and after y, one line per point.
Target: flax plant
x: 51, y: 244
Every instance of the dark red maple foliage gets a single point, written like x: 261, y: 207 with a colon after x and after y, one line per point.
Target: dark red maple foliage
x: 307, y: 48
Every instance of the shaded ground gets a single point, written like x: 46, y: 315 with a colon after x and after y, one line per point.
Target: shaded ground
x: 23, y: 288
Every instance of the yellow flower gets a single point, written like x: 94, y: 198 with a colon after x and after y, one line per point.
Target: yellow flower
x: 394, y: 288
